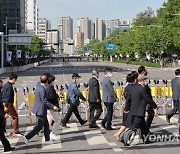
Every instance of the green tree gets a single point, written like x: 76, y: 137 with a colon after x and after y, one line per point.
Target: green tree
x: 36, y: 46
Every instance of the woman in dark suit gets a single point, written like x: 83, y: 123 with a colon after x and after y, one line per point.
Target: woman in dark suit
x: 127, y: 119
x: 53, y: 116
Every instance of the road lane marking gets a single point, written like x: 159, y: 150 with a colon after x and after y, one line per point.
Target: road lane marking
x: 57, y: 144
x: 95, y: 138
x: 173, y: 129
x: 112, y: 144
x: 173, y: 119
x: 117, y: 149
x: 73, y: 128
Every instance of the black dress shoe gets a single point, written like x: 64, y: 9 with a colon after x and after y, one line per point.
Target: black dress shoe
x: 96, y: 126
x: 103, y: 125
x: 9, y: 149
x: 83, y: 122
x: 93, y: 126
x: 65, y: 126
x: 167, y: 119
x: 110, y: 128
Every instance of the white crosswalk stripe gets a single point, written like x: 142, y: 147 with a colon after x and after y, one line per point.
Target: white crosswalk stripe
x: 56, y: 145
x: 93, y: 137
x: 173, y: 129
x: 73, y: 127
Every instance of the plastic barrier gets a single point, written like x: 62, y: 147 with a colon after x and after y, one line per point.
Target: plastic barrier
x: 15, y: 100
x: 161, y: 94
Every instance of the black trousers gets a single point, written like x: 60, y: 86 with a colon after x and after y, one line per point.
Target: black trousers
x: 150, y: 116
x: 175, y: 109
x: 94, y: 106
x: 3, y: 139
x: 109, y: 114
x: 41, y: 122
x: 139, y: 122
x: 72, y: 109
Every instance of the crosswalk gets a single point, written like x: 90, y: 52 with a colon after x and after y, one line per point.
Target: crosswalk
x: 92, y: 137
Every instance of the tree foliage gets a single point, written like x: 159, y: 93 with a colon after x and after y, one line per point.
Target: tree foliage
x: 150, y: 34
x: 36, y: 46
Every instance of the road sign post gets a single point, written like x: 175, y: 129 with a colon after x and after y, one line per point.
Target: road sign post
x: 2, y: 50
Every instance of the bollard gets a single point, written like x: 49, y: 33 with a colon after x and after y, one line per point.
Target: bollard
x: 15, y: 100
x: 62, y: 99
x: 25, y: 100
x: 120, y: 84
x: 156, y: 96
x: 86, y: 103
x: 164, y: 95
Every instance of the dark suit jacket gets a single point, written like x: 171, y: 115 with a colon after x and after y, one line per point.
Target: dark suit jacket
x: 8, y: 94
x: 52, y: 96
x: 73, y: 94
x: 126, y: 92
x: 1, y: 106
x: 94, y: 90
x: 41, y: 104
x: 127, y: 89
x: 137, y: 99
x: 175, y: 83
x: 109, y: 95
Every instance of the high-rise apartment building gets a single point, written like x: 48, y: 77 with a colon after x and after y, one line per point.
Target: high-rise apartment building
x: 84, y: 26
x: 53, y: 39
x: 100, y: 29
x: 65, y: 27
x: 13, y: 15
x: 116, y: 24
x: 80, y: 40
x: 43, y: 26
x: 32, y: 16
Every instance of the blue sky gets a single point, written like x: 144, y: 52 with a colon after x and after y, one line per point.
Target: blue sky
x: 105, y: 9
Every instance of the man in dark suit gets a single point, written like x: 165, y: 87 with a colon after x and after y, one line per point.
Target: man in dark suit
x: 142, y: 70
x: 109, y: 97
x: 94, y: 99
x: 138, y: 99
x: 5, y: 142
x: 175, y: 83
x: 40, y: 110
x: 73, y: 96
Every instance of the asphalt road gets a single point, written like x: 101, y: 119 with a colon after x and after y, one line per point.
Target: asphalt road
x: 80, y: 139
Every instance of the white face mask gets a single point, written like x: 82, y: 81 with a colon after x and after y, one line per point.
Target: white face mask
x: 110, y: 75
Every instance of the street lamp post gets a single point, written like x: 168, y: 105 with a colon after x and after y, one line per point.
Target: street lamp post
x: 2, y: 49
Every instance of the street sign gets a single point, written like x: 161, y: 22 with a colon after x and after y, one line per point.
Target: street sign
x: 27, y: 54
x: 136, y: 55
x: 18, y: 54
x: 110, y: 46
x: 9, y: 56
x: 19, y: 39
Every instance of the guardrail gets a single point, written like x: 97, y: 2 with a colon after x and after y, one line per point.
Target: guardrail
x: 20, y: 68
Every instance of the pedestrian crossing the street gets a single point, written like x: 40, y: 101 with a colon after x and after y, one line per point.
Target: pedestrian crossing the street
x: 93, y: 137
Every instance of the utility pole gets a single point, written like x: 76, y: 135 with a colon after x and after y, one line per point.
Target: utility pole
x: 2, y: 49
